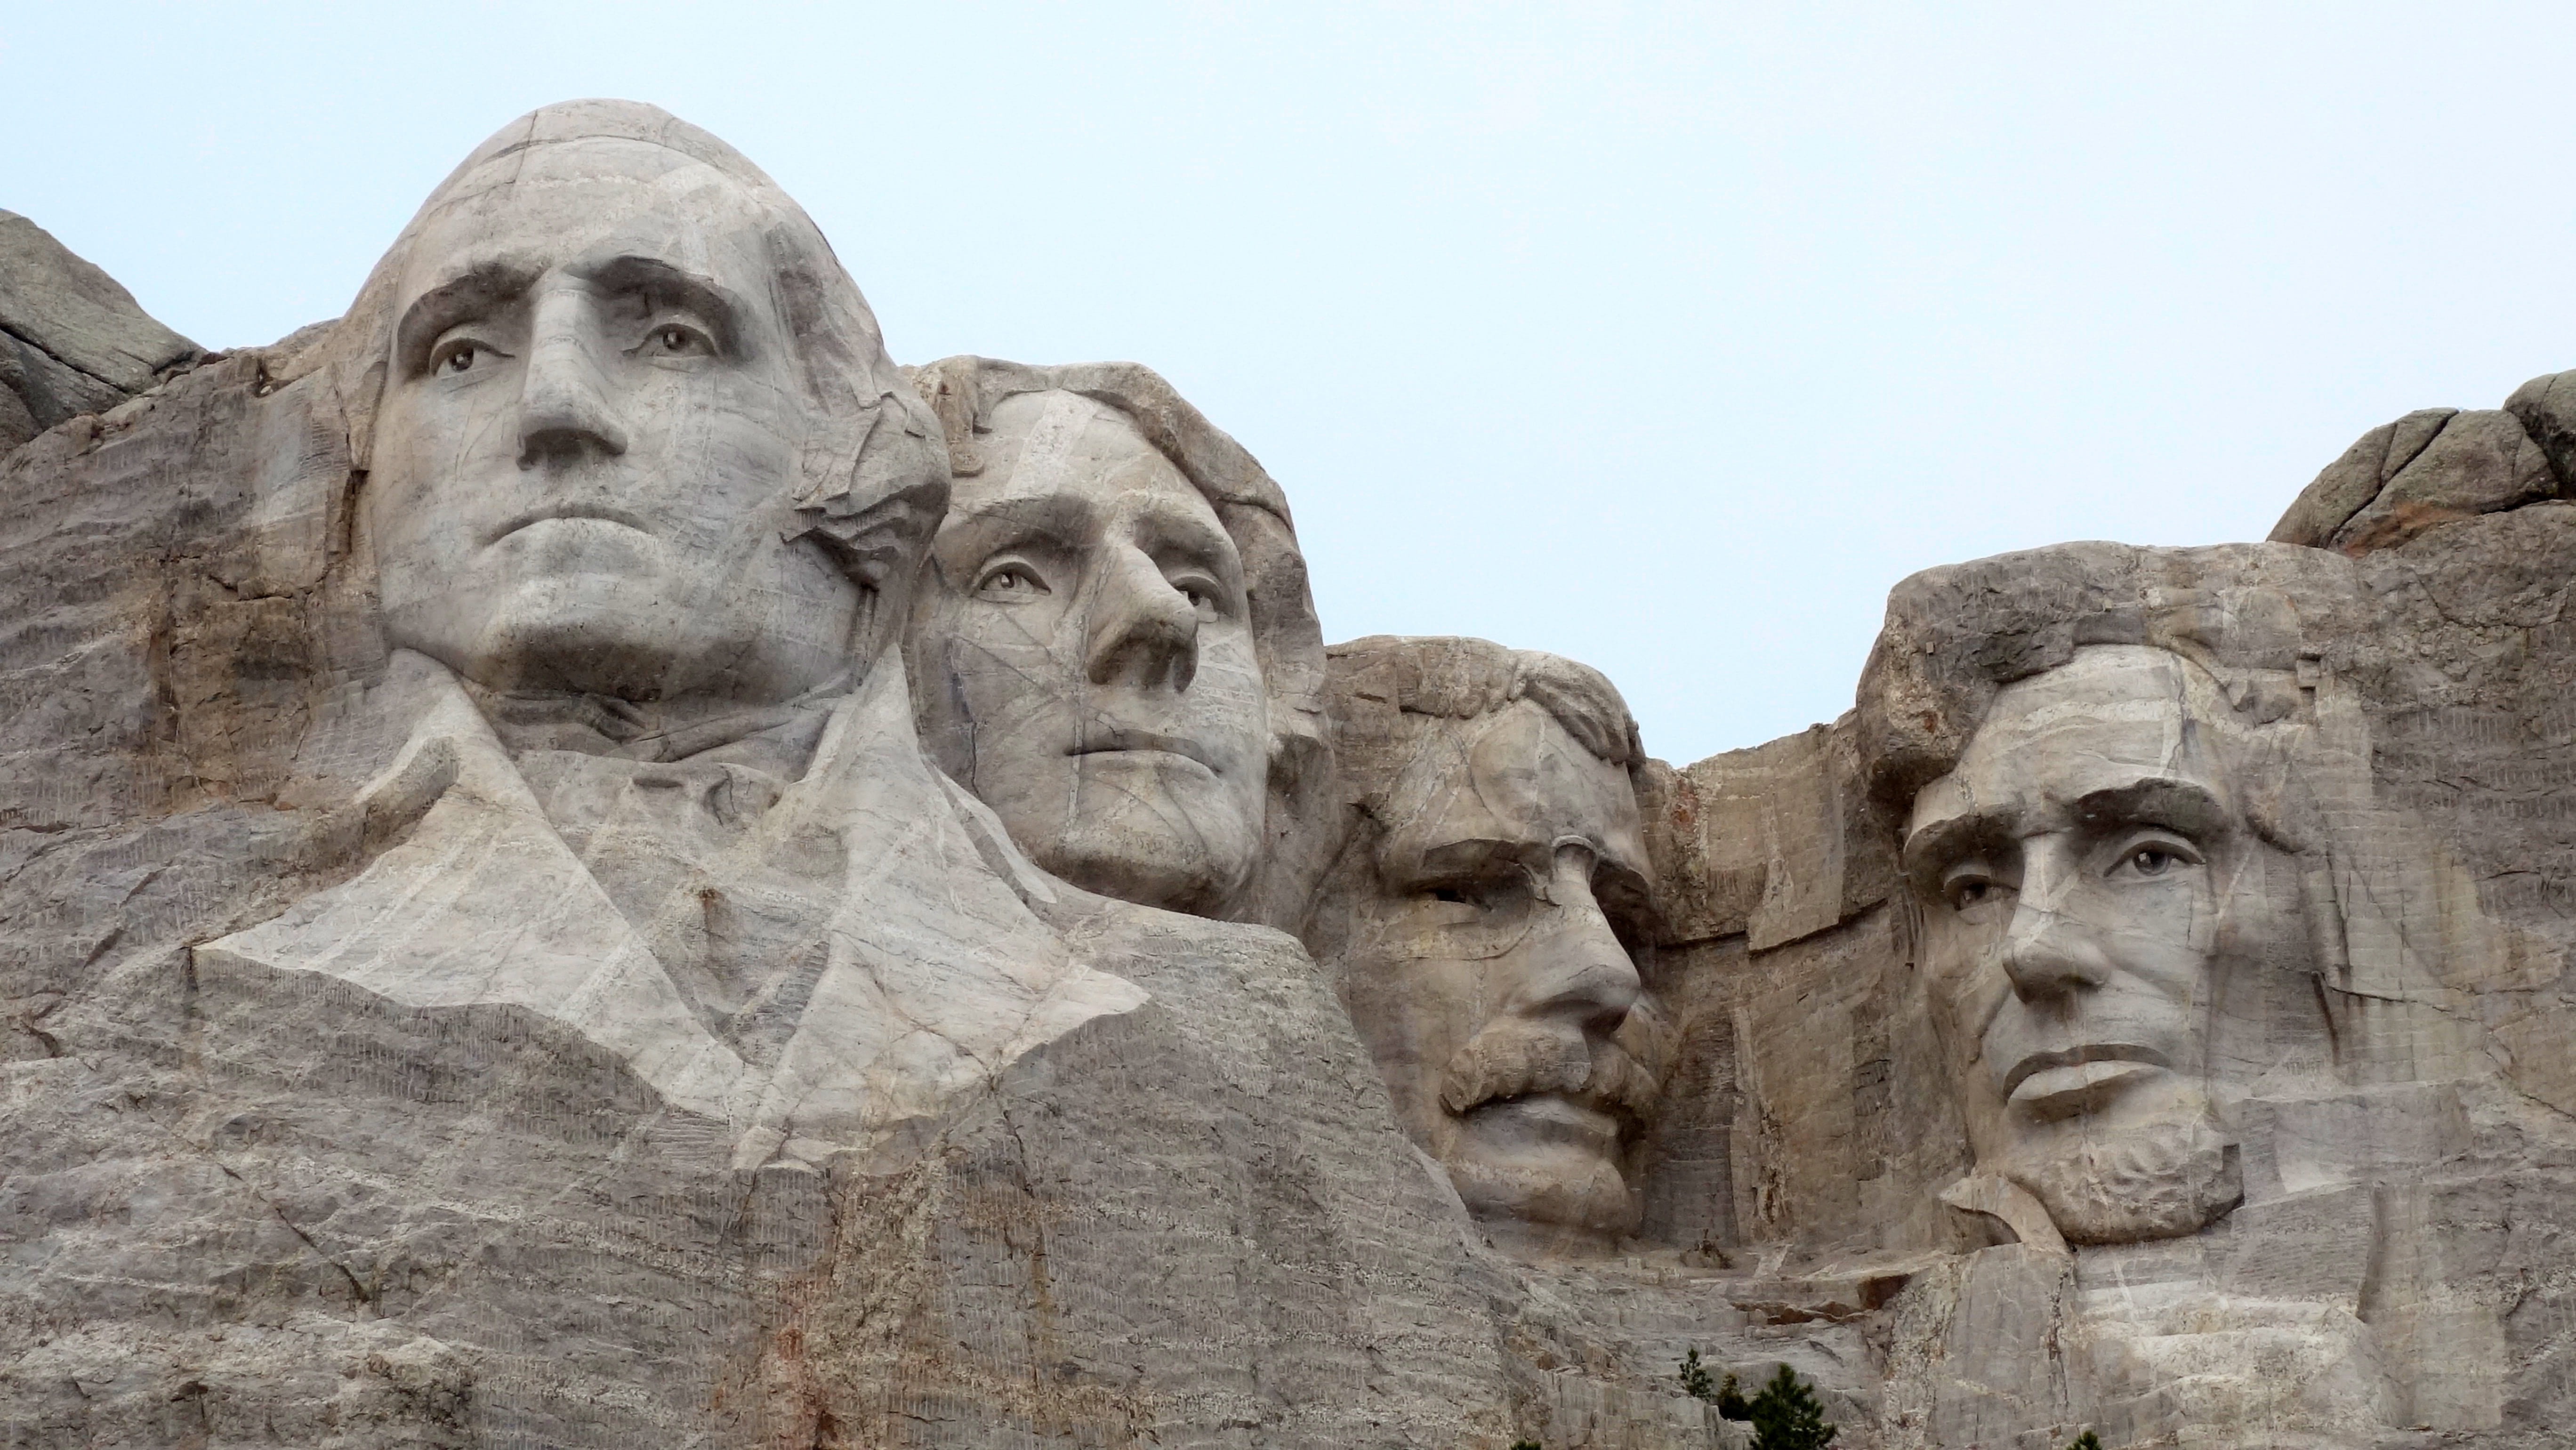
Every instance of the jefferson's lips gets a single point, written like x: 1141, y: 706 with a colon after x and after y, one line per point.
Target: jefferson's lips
x: 2092, y: 1052
x: 1115, y: 742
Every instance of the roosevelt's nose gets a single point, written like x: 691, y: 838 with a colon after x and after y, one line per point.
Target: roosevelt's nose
x: 1143, y: 632
x: 2048, y: 951
x: 565, y: 410
x: 1577, y: 967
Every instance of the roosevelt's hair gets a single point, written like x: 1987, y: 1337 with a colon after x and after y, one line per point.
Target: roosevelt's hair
x: 1287, y: 639
x: 1381, y: 688
x: 873, y: 453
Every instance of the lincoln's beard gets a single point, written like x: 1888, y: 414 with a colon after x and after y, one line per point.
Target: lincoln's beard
x: 2161, y: 1179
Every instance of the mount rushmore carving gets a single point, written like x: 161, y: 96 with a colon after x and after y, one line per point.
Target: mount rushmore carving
x: 586, y: 860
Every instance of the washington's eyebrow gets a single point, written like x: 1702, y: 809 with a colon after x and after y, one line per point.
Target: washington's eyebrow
x: 2176, y: 805
x: 478, y: 288
x: 1015, y: 519
x: 659, y: 281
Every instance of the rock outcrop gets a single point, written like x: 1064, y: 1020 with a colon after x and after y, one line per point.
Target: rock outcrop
x: 488, y: 959
x: 71, y: 340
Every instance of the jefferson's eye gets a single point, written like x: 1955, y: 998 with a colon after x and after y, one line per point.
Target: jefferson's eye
x: 457, y: 357
x: 1012, y: 583
x: 1201, y: 594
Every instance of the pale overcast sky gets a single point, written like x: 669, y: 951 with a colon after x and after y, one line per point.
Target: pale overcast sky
x: 1665, y: 338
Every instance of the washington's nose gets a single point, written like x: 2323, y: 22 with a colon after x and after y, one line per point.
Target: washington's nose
x: 1144, y: 633
x: 565, y: 413
x: 1578, y: 967
x: 2047, y: 952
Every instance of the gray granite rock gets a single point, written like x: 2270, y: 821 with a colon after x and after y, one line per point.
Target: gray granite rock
x: 72, y: 341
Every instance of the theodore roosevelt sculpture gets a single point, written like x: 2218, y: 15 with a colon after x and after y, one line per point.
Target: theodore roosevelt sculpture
x: 644, y: 496
x: 1113, y: 645
x: 1477, y: 920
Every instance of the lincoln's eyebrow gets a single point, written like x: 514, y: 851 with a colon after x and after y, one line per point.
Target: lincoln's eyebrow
x: 1944, y: 841
x: 478, y: 287
x: 661, y: 283
x: 2177, y: 805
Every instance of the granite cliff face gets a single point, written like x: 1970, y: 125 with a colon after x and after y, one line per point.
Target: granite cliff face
x: 585, y: 861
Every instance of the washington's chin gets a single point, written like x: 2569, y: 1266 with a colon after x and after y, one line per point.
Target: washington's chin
x: 1542, y: 1159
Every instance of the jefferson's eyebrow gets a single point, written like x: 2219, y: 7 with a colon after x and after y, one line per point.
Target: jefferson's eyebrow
x: 659, y: 281
x: 1015, y: 518
x: 2178, y: 805
x: 477, y: 287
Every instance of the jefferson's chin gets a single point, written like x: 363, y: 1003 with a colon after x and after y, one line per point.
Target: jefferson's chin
x: 2156, y: 1180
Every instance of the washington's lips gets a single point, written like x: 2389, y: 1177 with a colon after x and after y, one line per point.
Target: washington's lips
x: 1121, y: 742
x: 605, y: 513
x: 2048, y: 1074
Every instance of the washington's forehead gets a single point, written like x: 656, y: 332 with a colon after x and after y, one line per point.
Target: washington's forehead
x: 588, y: 197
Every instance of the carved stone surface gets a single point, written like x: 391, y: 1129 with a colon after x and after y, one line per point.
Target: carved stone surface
x: 585, y: 861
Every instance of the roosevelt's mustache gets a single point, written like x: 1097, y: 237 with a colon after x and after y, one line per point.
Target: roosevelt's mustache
x: 1516, y: 1057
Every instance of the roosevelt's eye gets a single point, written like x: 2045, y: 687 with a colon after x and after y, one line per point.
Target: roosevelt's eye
x: 1010, y: 583
x: 674, y: 339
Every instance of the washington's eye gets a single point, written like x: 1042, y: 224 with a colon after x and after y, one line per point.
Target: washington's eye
x: 1011, y: 582
x: 673, y: 340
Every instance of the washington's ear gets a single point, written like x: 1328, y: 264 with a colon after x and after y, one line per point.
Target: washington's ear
x: 874, y: 499
x: 881, y: 543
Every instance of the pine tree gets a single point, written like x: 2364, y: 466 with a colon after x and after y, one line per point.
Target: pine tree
x: 1700, y: 1385
x: 1785, y: 1415
x: 2086, y: 1441
x: 1527, y: 1445
x: 1695, y: 1378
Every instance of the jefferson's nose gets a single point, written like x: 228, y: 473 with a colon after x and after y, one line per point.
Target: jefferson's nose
x: 2047, y: 952
x: 1143, y: 632
x: 1577, y: 968
x: 565, y: 415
